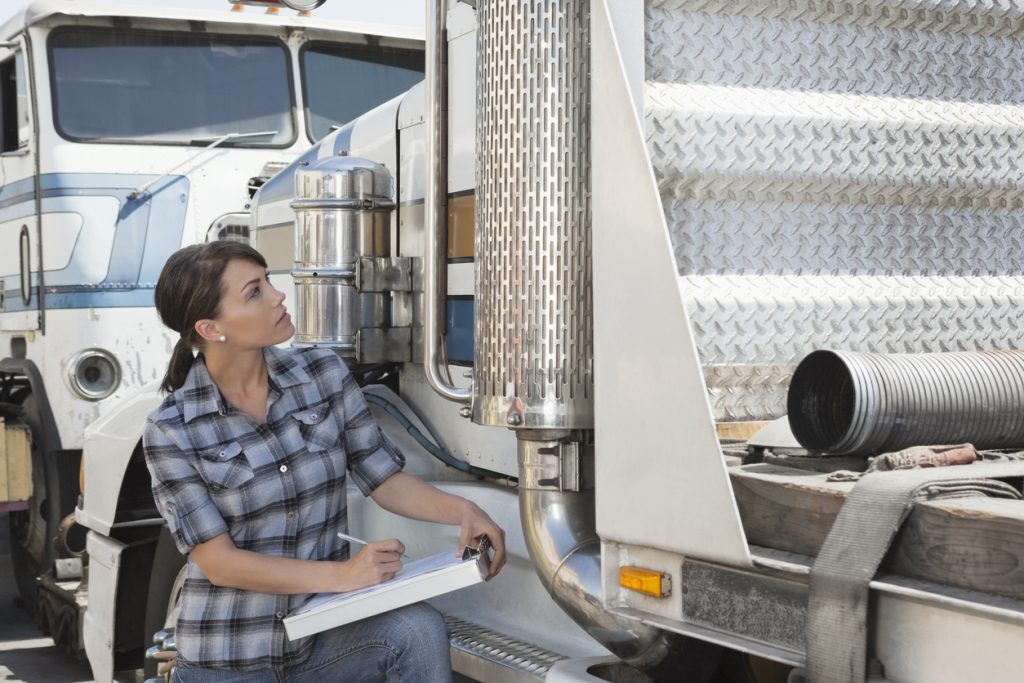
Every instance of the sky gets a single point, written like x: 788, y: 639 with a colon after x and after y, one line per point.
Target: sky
x: 407, y: 12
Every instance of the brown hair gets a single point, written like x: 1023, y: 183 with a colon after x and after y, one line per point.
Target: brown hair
x: 189, y: 290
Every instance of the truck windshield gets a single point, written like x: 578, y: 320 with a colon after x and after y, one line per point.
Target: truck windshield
x: 161, y: 87
x: 341, y: 81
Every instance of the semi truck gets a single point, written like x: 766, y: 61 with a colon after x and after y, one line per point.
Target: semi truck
x: 127, y: 133
x: 576, y: 270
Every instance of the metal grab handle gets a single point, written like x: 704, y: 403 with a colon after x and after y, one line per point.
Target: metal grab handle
x: 350, y: 204
x: 435, y: 203
x: 137, y: 192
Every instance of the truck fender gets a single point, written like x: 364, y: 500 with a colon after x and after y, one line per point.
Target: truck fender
x: 118, y: 571
x: 107, y: 449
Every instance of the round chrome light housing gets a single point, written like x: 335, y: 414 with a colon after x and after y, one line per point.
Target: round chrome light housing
x: 94, y: 374
x: 303, y: 5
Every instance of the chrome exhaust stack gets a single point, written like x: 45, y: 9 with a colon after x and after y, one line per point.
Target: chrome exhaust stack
x: 534, y: 355
x: 533, y: 337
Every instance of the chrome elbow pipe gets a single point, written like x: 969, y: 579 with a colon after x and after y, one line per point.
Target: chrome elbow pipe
x: 435, y: 203
x: 561, y: 537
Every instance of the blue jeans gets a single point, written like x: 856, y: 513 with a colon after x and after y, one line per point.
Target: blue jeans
x: 406, y: 644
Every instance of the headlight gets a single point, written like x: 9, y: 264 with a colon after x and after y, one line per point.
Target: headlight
x: 231, y: 226
x: 94, y: 374
x: 304, y: 5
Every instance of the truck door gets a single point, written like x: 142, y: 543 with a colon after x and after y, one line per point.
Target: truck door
x: 20, y: 247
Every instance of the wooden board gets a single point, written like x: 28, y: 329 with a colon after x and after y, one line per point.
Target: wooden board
x: 15, y: 463
x: 738, y: 431
x: 974, y: 543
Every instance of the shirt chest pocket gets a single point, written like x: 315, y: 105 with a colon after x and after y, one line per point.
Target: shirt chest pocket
x: 225, y: 466
x: 318, y: 429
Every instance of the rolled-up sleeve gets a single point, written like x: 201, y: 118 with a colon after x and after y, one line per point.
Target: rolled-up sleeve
x: 180, y: 493
x: 372, y: 458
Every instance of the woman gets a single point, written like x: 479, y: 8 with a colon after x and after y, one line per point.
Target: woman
x: 249, y: 454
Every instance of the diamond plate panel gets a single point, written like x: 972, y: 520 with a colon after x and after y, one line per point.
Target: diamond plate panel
x: 775, y: 319
x: 805, y: 46
x: 838, y: 175
x: 968, y: 17
x: 533, y: 325
x: 747, y: 392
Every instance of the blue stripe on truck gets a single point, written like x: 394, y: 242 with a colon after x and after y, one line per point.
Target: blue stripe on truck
x: 147, y: 231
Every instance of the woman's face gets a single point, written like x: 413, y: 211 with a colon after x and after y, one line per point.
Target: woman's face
x: 252, y: 312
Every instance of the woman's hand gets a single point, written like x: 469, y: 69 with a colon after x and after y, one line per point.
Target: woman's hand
x: 406, y: 495
x: 376, y: 562
x: 476, y: 523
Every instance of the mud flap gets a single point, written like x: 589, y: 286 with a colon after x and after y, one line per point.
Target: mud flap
x: 98, y: 627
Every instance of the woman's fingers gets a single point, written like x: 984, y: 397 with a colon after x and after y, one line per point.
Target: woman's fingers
x: 378, y: 561
x: 391, y: 545
x: 497, y: 538
x: 483, y: 526
x: 388, y: 557
x: 391, y: 568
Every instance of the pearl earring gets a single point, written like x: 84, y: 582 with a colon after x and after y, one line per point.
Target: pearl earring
x: 223, y: 338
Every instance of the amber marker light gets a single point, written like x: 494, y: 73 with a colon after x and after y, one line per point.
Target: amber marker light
x: 646, y: 581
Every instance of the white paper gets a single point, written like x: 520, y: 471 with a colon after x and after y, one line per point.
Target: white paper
x: 426, y: 565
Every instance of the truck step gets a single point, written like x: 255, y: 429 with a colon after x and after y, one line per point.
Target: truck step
x: 486, y: 655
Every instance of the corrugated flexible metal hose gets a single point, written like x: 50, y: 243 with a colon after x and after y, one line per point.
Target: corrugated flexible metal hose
x: 843, y: 402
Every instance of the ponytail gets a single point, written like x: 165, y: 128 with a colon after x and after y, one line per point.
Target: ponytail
x: 189, y: 289
x: 177, y: 369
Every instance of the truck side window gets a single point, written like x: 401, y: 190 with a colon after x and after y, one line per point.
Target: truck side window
x: 14, y: 117
x: 164, y: 87
x: 341, y: 81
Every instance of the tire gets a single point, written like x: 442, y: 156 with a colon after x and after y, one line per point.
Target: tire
x: 689, y: 659
x: 164, y: 590
x: 33, y: 531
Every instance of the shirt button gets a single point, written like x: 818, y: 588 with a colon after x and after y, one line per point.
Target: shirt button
x: 284, y: 468
x: 279, y: 615
x: 312, y: 416
x: 291, y: 515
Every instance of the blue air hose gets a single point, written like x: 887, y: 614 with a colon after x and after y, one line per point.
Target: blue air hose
x: 431, y: 447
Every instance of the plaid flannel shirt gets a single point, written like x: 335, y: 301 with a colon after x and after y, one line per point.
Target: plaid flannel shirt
x: 276, y: 488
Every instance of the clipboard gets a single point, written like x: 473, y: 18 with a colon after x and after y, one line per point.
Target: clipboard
x: 417, y: 581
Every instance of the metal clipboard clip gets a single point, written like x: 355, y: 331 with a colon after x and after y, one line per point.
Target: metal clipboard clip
x: 480, y: 553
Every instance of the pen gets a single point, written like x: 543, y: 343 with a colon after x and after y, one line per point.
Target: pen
x: 353, y: 539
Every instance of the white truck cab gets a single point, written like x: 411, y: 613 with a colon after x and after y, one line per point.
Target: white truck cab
x: 126, y: 133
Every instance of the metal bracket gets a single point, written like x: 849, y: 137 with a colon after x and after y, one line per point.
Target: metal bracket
x: 381, y: 345
x: 67, y: 568
x: 384, y: 274
x: 551, y: 466
x: 569, y: 461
